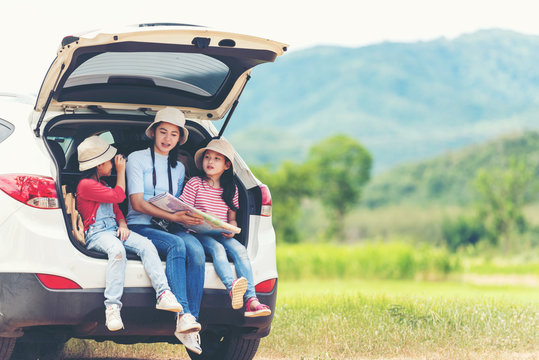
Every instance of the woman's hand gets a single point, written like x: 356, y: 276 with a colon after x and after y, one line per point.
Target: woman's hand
x: 227, y: 235
x: 186, y: 218
x: 123, y: 232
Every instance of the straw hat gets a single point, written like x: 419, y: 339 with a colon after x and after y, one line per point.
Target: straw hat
x: 94, y: 151
x: 219, y: 145
x: 173, y: 116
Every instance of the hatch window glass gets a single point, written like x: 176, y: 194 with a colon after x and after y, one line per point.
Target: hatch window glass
x: 64, y: 142
x: 107, y: 136
x: 6, y: 129
x: 195, y: 73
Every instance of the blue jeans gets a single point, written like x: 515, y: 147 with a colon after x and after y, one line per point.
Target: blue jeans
x: 185, y: 263
x: 101, y: 236
x: 219, y: 247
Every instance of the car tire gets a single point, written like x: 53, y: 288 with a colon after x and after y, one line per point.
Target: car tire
x: 50, y: 350
x: 6, y: 347
x: 228, y: 346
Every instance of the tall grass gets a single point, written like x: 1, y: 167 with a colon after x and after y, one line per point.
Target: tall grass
x: 348, y: 326
x: 382, y: 260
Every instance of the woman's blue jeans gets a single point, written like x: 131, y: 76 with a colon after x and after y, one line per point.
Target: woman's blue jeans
x: 185, y: 263
x: 101, y: 236
x: 219, y: 247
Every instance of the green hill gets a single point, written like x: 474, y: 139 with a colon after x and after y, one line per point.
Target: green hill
x: 403, y: 101
x: 448, y: 179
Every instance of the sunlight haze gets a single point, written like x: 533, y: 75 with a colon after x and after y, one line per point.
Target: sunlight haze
x: 32, y: 30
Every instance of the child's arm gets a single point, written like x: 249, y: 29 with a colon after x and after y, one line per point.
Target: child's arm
x: 231, y: 221
x: 119, y: 162
x: 123, y: 231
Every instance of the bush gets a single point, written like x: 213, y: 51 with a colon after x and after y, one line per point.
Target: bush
x: 462, y: 231
x: 382, y: 261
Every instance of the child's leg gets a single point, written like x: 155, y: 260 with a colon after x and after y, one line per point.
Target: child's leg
x: 239, y: 256
x: 147, y: 252
x: 107, y: 242
x: 220, y: 260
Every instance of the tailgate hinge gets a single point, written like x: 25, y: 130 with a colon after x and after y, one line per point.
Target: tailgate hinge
x: 69, y: 110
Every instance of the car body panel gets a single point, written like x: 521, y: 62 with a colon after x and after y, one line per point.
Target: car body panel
x: 39, y: 241
x: 247, y: 52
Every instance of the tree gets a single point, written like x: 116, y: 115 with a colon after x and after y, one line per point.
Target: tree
x: 503, y: 193
x: 341, y: 167
x: 289, y: 184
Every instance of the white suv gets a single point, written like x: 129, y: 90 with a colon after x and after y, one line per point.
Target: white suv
x: 111, y: 84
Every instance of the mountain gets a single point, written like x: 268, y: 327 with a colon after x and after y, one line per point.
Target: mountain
x: 403, y: 101
x: 448, y: 179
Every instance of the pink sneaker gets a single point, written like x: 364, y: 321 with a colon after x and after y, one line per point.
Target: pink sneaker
x: 252, y: 310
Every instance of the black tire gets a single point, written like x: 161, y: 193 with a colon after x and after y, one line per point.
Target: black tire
x: 50, y: 350
x: 217, y: 345
x: 6, y: 347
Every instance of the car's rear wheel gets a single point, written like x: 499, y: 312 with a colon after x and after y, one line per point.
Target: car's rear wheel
x: 47, y: 350
x: 220, y: 345
x: 6, y: 347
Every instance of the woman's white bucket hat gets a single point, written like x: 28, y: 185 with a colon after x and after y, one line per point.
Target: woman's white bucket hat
x: 173, y: 116
x: 94, y: 151
x: 219, y: 145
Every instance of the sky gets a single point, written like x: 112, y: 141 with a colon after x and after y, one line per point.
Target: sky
x: 31, y: 30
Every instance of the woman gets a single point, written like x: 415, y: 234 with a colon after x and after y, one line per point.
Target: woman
x: 153, y: 171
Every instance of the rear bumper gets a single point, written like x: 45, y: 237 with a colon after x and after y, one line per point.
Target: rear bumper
x: 27, y: 306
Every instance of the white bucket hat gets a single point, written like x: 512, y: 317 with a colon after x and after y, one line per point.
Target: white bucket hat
x: 94, y: 151
x: 219, y: 145
x: 173, y: 116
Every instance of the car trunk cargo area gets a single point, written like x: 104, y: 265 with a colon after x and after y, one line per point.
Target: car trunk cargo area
x: 126, y: 133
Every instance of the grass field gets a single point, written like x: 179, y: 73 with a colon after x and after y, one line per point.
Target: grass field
x: 382, y: 319
x: 404, y: 319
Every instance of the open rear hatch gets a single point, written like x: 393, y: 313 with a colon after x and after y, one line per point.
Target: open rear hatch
x: 200, y: 71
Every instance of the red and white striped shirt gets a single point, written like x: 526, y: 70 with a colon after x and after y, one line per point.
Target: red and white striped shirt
x: 199, y: 194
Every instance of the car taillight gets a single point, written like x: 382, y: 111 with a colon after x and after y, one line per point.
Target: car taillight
x: 32, y: 190
x: 56, y: 282
x: 265, y: 209
x: 265, y: 286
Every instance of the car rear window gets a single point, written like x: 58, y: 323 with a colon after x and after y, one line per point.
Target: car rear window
x: 6, y: 129
x: 198, y: 74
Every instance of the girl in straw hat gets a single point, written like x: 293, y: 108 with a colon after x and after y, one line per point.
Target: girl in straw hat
x: 106, y: 229
x: 216, y: 193
x: 154, y: 171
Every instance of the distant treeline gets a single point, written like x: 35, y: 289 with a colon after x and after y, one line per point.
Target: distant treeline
x: 449, y: 179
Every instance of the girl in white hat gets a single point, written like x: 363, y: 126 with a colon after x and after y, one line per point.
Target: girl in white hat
x: 154, y: 171
x: 216, y: 193
x: 106, y: 229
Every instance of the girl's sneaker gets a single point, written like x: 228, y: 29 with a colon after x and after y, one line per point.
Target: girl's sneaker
x: 191, y: 341
x: 113, y: 320
x: 167, y: 301
x: 255, y: 310
x: 239, y: 286
x: 186, y: 323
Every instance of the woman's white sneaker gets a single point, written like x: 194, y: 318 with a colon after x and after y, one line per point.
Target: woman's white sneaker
x: 186, y: 323
x: 167, y: 301
x: 113, y: 320
x: 191, y: 341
